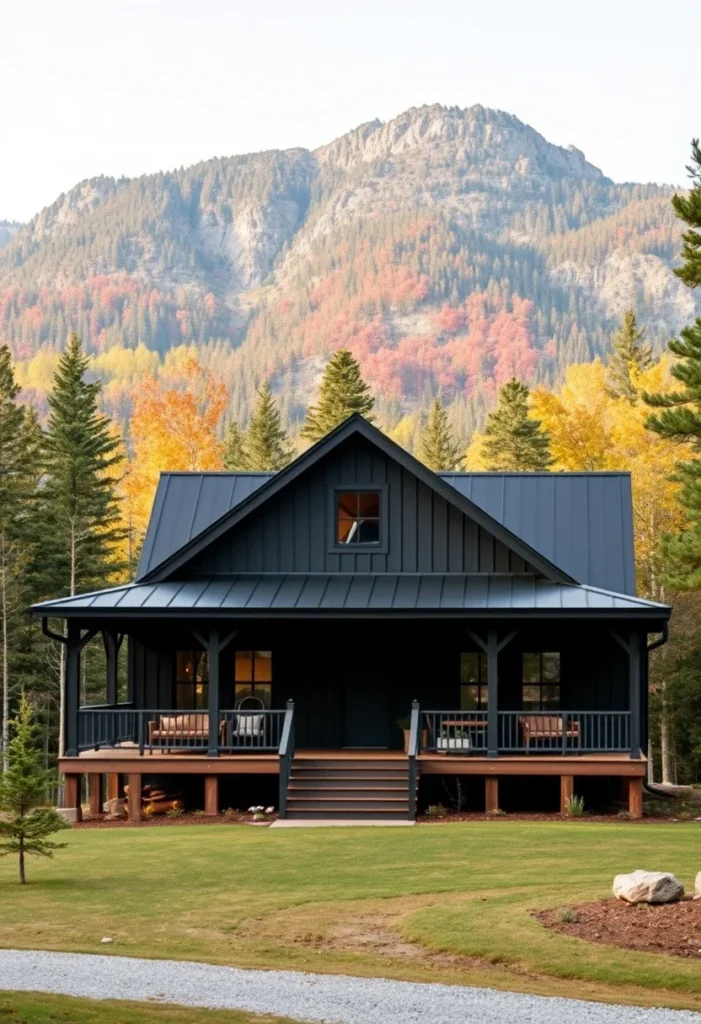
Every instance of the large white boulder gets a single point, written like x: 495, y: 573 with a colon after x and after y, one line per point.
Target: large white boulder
x: 647, y: 887
x: 697, y: 887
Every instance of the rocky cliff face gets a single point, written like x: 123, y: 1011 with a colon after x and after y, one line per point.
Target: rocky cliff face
x: 8, y: 229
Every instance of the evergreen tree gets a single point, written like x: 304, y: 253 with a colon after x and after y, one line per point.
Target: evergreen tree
x: 437, y: 449
x: 512, y: 440
x: 23, y: 789
x: 680, y: 415
x: 234, y: 456
x: 629, y: 354
x: 343, y: 392
x: 265, y: 444
x: 17, y: 482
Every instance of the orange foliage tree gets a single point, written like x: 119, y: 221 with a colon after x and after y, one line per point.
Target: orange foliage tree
x: 173, y: 427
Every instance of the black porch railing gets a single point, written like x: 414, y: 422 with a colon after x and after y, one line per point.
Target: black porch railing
x: 525, y: 732
x: 158, y: 729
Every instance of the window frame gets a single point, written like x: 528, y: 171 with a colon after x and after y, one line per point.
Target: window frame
x: 197, y: 657
x: 542, y: 684
x: 253, y: 683
x: 481, y: 683
x: 379, y: 548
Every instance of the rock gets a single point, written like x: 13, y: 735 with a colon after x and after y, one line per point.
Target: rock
x: 647, y: 887
x: 115, y: 808
x: 68, y: 813
x: 105, y: 940
x: 697, y: 887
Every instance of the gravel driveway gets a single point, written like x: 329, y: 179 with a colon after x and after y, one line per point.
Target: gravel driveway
x: 304, y: 997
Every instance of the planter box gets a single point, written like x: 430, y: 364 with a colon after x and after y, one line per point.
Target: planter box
x: 453, y: 743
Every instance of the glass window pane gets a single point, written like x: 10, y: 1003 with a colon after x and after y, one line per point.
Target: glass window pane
x: 347, y: 504
x: 551, y: 667
x: 468, y: 667
x: 185, y: 696
x: 244, y: 667
x: 369, y: 505
x: 202, y: 666
x: 184, y: 669
x: 265, y: 692
x: 531, y: 668
x: 347, y: 531
x: 202, y: 696
x: 263, y: 667
x: 369, y: 531
x: 469, y: 697
x: 483, y: 668
x: 243, y: 692
x: 531, y: 697
x: 550, y: 696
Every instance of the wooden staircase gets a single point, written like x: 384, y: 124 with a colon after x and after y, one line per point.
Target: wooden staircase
x: 353, y: 787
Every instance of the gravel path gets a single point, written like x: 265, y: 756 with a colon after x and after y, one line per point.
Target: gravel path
x: 304, y: 997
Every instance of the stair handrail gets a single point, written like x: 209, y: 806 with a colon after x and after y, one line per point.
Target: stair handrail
x: 413, y: 752
x: 287, y: 753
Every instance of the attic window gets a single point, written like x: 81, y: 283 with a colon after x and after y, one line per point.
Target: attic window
x: 358, y: 518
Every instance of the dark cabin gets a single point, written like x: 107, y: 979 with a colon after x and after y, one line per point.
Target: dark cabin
x: 362, y: 629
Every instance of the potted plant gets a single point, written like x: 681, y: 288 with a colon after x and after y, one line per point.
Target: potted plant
x: 454, y: 739
x: 404, y: 723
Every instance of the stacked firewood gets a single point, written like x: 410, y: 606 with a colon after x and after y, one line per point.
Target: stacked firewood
x: 158, y: 800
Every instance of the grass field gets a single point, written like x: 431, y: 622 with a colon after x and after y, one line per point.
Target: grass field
x: 27, y: 1008
x: 435, y: 903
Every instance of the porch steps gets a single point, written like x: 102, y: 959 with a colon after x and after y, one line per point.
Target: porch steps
x: 357, y: 788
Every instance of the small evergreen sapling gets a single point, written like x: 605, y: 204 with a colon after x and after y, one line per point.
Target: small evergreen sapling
x: 22, y: 793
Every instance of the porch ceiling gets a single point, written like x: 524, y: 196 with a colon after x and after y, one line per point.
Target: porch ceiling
x: 313, y: 593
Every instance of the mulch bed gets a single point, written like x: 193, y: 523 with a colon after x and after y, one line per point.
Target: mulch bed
x: 672, y: 928
x: 516, y: 816
x: 98, y: 821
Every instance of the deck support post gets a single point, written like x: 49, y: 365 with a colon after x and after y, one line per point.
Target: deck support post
x: 491, y: 794
x: 134, y: 797
x: 211, y: 794
x: 71, y: 795
x: 95, y: 793
x: 112, y: 786
x: 566, y: 791
x: 635, y: 797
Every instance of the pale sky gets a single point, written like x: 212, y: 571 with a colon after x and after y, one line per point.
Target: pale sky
x: 92, y: 87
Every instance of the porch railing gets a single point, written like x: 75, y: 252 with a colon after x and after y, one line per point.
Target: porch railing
x: 175, y: 729
x: 525, y: 732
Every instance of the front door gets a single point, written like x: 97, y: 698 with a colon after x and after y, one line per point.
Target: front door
x: 367, y: 711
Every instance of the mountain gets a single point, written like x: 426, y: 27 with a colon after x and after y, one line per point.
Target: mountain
x: 7, y: 230
x: 448, y: 248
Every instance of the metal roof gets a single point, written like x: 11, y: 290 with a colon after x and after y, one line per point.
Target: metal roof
x: 581, y: 522
x: 320, y: 593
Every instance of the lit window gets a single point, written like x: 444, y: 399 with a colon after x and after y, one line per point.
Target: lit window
x: 358, y: 517
x: 541, y: 681
x: 192, y: 680
x: 474, y: 693
x: 253, y: 675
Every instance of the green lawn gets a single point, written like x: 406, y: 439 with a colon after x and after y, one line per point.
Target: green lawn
x: 437, y: 902
x: 28, y: 1008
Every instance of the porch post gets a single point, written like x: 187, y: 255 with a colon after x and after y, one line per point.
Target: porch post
x: 95, y: 793
x: 214, y: 648
x: 72, y: 694
x: 492, y: 694
x: 71, y: 795
x: 635, y: 666
x: 112, y: 644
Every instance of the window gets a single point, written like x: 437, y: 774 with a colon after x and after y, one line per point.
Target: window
x: 358, y: 517
x: 541, y: 681
x: 474, y: 692
x: 192, y: 680
x: 253, y: 675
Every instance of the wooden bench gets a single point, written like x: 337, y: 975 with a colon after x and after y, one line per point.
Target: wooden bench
x: 181, y: 730
x: 547, y: 727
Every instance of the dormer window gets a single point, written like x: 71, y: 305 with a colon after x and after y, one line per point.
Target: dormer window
x: 358, y: 518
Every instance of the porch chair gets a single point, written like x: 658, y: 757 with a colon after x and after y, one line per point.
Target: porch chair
x: 547, y: 727
x: 249, y: 728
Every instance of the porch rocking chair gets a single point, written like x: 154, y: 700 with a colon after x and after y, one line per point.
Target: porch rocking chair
x: 249, y: 728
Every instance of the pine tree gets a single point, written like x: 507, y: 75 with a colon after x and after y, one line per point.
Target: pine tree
x: 343, y: 392
x: 680, y: 416
x: 265, y: 444
x: 512, y: 440
x: 78, y: 516
x: 18, y: 449
x: 23, y: 789
x: 437, y: 449
x: 234, y: 456
x: 629, y: 355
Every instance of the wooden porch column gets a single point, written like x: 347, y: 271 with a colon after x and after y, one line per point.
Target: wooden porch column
x: 566, y: 791
x: 635, y: 797
x: 112, y: 786
x: 491, y: 794
x: 72, y: 690
x: 95, y: 792
x: 492, y: 696
x: 635, y: 696
x: 134, y: 800
x: 71, y: 795
x: 214, y: 649
x: 211, y: 794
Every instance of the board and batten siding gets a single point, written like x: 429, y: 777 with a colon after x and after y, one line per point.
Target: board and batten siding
x: 293, y: 531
